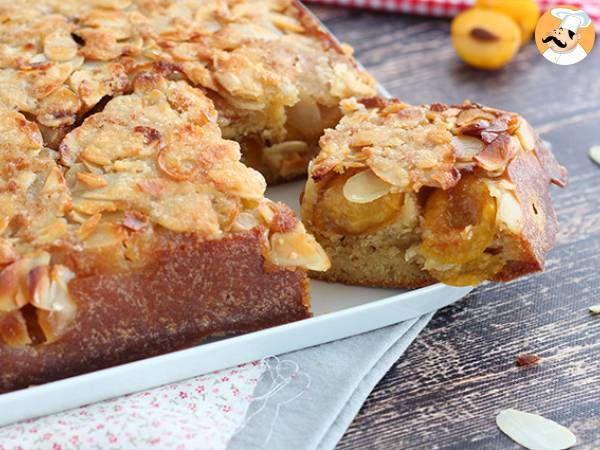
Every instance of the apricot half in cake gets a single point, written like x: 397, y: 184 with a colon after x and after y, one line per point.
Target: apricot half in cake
x: 404, y: 195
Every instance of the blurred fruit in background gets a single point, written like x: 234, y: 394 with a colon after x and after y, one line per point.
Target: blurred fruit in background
x: 525, y: 12
x: 490, y: 34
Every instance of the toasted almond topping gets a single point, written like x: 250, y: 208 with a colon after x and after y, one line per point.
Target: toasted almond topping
x: 60, y: 46
x: 236, y: 178
x: 470, y: 115
x: 286, y: 23
x: 498, y: 154
x: 365, y: 187
x: 135, y: 221
x: 152, y: 186
x: 245, y: 221
x: 526, y: 136
x: 172, y: 163
x: 95, y: 156
x: 38, y: 282
x: 91, y: 180
x: 534, y: 432
x: 88, y: 227
x: 467, y: 147
x: 298, y: 249
x: 55, y: 319
x: 266, y: 213
x: 105, y: 235
x: 54, y: 182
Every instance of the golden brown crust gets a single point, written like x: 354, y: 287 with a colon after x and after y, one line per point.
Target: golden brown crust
x: 170, y: 304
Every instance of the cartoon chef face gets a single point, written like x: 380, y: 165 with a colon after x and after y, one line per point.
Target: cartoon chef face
x: 562, y: 40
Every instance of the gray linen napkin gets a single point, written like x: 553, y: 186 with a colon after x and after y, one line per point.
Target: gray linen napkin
x: 308, y: 398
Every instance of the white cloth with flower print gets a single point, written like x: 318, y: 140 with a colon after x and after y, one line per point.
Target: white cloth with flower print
x: 304, y: 400
x: 201, y: 413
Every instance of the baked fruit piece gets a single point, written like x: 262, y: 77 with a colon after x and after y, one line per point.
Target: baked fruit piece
x: 144, y: 234
x: 405, y: 195
x: 275, y: 76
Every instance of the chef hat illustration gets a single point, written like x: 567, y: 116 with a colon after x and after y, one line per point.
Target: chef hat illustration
x: 571, y: 20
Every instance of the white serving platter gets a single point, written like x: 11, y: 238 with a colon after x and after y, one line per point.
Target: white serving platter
x: 339, y: 311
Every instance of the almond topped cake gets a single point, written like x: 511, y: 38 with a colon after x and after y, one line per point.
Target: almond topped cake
x: 276, y: 79
x: 403, y: 195
x: 142, y: 234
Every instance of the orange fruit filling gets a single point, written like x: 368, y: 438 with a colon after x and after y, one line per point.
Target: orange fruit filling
x: 339, y: 215
x: 459, y: 224
x: 471, y: 273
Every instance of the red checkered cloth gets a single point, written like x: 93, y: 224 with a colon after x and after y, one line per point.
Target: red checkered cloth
x: 450, y: 8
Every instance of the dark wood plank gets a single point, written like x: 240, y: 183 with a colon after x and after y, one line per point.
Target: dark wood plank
x: 446, y: 391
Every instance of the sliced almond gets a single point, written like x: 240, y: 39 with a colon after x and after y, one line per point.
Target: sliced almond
x: 235, y: 178
x: 286, y: 23
x: 88, y: 227
x: 595, y: 309
x: 595, y: 154
x: 297, y: 249
x: 51, y: 232
x: 466, y: 147
x: 472, y: 114
x: 509, y: 214
x: 14, y: 284
x: 498, y: 154
x: 38, y: 281
x: 106, y: 235
x: 55, y: 319
x: 245, y: 221
x: 534, y: 432
x: 152, y: 186
x: 526, y: 136
x: 266, y: 213
x: 54, y: 182
x: 365, y: 187
x: 91, y: 180
x: 60, y: 46
x: 96, y: 156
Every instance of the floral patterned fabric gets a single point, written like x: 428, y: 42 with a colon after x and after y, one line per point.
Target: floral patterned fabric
x: 203, y: 412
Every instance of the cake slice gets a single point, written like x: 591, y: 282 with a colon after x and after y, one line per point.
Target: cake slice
x: 143, y: 234
x: 275, y: 77
x: 402, y: 195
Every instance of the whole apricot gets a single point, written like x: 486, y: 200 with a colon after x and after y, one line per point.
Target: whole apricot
x: 525, y: 12
x: 484, y: 38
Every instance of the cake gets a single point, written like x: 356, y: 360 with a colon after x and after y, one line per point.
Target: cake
x: 275, y: 77
x: 403, y: 196
x: 143, y: 234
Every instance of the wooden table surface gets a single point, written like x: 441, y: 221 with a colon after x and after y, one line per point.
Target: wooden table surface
x: 460, y: 372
